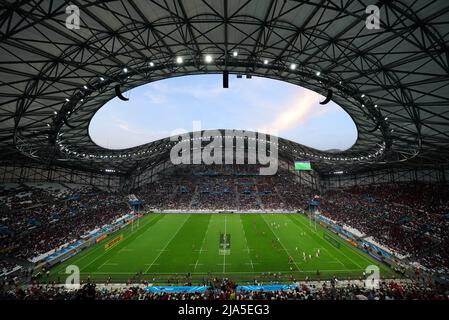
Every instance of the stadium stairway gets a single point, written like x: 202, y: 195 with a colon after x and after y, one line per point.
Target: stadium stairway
x: 237, y: 196
x: 282, y: 200
x: 258, y: 199
x: 194, y: 198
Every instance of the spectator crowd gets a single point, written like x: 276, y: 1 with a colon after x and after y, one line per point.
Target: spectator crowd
x: 411, y: 219
x: 221, y: 188
x: 225, y: 289
x: 35, y: 221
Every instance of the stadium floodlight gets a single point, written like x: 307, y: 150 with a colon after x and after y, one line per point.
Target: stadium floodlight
x: 293, y: 66
x: 265, y: 61
x: 125, y: 70
x: 208, y: 58
x: 235, y: 53
x: 179, y: 60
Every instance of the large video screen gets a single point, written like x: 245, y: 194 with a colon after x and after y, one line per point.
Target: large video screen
x: 303, y: 165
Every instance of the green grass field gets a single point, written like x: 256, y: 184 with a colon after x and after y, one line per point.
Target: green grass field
x: 167, y: 244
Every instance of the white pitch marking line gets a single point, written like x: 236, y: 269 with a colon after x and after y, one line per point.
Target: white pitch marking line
x: 333, y: 256
x: 166, y: 245
x: 107, y: 263
x: 224, y: 256
x: 252, y: 264
x: 247, y: 248
x: 150, y: 264
x: 195, y: 264
x: 297, y: 267
x: 202, y: 245
x: 104, y: 263
x: 229, y: 272
x: 104, y: 252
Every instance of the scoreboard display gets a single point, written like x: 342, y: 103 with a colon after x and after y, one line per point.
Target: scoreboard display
x: 303, y: 165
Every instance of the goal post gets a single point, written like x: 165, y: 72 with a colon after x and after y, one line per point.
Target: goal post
x: 313, y: 217
x: 135, y: 221
x: 313, y: 212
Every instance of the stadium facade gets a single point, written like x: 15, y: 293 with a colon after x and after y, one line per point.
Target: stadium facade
x: 60, y: 64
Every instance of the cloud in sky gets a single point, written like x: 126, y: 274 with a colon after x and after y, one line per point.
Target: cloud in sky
x: 155, y: 110
x: 156, y: 99
x: 296, y: 112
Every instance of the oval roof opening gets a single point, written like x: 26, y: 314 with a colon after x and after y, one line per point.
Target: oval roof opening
x: 160, y: 109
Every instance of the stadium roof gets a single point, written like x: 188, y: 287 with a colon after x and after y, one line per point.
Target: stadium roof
x: 393, y: 81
